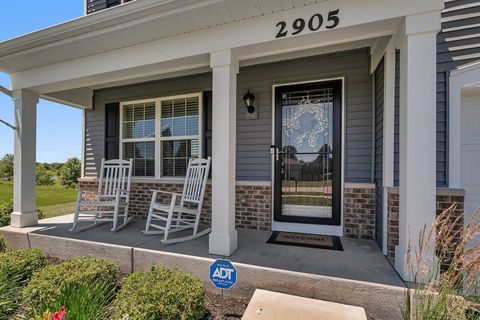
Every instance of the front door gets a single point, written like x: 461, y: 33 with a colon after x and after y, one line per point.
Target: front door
x: 307, y: 158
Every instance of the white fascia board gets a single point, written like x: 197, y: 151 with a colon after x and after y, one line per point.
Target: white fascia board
x: 246, y: 33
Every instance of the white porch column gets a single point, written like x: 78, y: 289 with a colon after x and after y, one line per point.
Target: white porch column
x: 24, y: 208
x: 417, y: 130
x: 223, y: 239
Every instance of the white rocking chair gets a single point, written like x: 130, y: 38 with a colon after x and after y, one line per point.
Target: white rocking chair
x: 185, y: 215
x: 112, y: 198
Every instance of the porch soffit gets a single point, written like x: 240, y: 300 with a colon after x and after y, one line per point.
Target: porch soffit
x: 145, y: 21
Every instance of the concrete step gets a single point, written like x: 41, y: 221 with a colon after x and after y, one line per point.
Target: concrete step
x: 269, y: 305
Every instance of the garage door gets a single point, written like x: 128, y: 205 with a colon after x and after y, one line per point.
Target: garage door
x: 471, y: 152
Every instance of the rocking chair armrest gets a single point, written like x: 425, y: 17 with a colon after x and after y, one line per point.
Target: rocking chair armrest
x: 173, y: 194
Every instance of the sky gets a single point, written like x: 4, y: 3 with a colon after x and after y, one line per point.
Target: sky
x: 59, y: 127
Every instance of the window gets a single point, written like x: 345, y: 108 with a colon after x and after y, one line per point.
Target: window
x: 111, y: 3
x: 179, y: 134
x: 138, y: 137
x: 162, y: 135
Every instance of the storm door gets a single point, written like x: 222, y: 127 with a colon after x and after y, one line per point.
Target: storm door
x: 307, y: 153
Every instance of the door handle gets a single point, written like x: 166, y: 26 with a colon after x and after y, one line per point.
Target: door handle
x: 275, y: 151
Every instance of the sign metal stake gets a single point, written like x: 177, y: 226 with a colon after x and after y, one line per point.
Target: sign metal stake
x: 223, y: 275
x: 223, y: 305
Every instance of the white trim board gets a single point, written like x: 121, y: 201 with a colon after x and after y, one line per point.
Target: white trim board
x: 460, y: 79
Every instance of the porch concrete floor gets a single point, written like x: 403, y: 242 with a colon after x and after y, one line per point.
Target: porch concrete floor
x: 361, y: 259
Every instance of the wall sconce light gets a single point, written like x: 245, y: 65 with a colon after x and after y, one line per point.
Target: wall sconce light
x: 249, y: 99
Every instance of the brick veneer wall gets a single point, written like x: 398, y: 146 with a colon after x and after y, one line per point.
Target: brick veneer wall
x: 359, y: 211
x: 252, y: 202
x: 445, y: 198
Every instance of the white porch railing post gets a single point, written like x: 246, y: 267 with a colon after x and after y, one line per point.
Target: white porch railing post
x: 223, y: 239
x: 24, y: 207
x: 417, y: 131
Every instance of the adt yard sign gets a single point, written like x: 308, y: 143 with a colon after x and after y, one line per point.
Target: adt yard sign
x: 223, y: 274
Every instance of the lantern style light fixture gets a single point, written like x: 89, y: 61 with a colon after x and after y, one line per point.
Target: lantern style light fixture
x: 249, y: 99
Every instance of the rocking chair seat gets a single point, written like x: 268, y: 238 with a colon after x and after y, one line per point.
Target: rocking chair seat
x: 100, y: 203
x: 178, y: 208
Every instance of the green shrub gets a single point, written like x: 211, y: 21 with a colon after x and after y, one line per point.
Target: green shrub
x: 6, y: 167
x: 23, y: 261
x: 46, y: 287
x: 6, y: 210
x: 3, y: 244
x: 84, y: 301
x: 16, y: 268
x: 161, y: 293
x: 43, y: 175
x: 70, y: 172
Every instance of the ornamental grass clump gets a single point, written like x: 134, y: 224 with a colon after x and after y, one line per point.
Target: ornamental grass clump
x: 72, y: 284
x: 16, y: 269
x: 161, y: 293
x: 445, y: 270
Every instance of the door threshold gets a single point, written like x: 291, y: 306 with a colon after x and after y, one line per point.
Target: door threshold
x: 327, y: 230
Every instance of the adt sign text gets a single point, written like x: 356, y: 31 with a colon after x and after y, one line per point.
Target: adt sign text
x: 223, y: 274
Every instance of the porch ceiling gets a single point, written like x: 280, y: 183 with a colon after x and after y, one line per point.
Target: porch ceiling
x: 145, y: 21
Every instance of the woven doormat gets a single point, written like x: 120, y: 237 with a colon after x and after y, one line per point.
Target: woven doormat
x: 306, y: 240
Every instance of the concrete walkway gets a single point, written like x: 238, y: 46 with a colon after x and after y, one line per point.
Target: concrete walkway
x: 360, y: 275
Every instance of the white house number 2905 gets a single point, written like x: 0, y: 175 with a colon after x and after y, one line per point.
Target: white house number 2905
x: 313, y: 24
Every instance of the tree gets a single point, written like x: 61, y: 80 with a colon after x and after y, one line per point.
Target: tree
x: 44, y: 176
x: 290, y: 152
x: 70, y: 172
x: 6, y: 167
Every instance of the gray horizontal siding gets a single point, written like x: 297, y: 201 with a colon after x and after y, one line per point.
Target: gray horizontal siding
x: 254, y: 136
x: 396, y: 130
x: 457, y: 44
x: 260, y: 79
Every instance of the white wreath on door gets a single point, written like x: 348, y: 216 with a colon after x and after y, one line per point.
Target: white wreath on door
x: 318, y: 108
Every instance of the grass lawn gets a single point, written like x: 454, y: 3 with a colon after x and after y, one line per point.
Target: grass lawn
x: 52, y: 200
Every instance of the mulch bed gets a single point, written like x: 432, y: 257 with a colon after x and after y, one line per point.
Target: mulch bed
x: 234, y: 306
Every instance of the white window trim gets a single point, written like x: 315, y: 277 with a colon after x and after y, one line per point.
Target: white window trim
x: 158, y: 138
